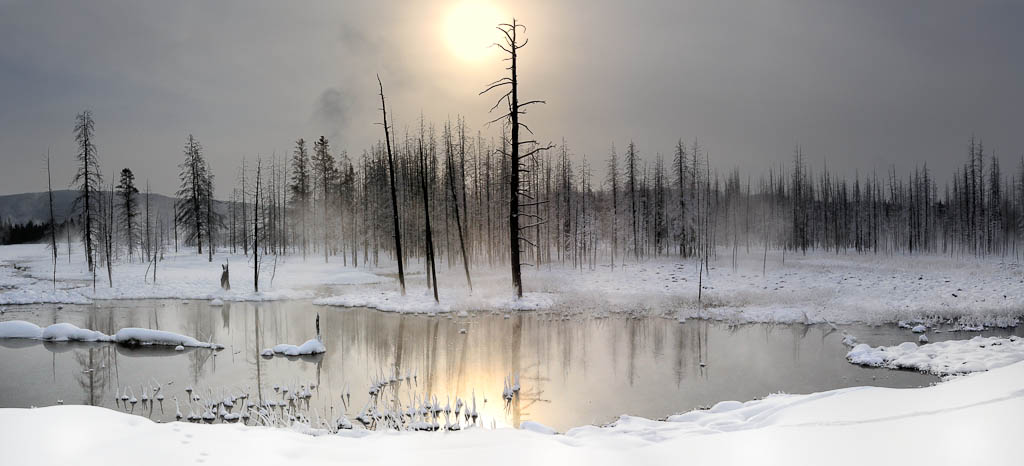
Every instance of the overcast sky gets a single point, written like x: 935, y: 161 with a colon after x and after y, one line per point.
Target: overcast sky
x: 858, y: 84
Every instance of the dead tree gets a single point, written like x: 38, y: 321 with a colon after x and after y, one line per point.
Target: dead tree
x: 256, y: 230
x: 426, y: 216
x: 515, y: 109
x: 455, y: 200
x: 394, y: 197
x: 53, y: 226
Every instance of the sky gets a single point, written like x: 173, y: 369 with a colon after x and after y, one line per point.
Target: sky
x: 859, y: 85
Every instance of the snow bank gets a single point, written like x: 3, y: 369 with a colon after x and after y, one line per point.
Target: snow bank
x: 529, y: 302
x: 142, y: 336
x: 968, y: 420
x: 414, y: 302
x: 943, y: 358
x: 20, y: 329
x: 537, y: 427
x: 41, y: 295
x: 312, y: 346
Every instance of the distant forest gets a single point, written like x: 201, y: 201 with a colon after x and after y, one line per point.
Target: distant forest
x: 27, y: 232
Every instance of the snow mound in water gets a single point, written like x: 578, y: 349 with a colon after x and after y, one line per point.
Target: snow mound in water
x: 20, y: 329
x: 127, y: 336
x: 943, y: 358
x: 217, y: 302
x: 70, y: 332
x: 142, y: 336
x: 312, y: 346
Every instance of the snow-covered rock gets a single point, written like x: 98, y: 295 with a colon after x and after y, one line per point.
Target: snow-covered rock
x: 312, y: 346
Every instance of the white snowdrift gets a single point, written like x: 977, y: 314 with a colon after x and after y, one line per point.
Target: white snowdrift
x: 312, y: 346
x: 943, y: 358
x: 127, y: 336
x: 69, y: 332
x: 968, y: 420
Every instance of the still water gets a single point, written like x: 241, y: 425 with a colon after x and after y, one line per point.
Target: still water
x: 573, y: 370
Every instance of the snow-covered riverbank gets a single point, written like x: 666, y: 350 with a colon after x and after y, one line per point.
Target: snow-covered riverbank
x: 968, y: 420
x: 819, y: 287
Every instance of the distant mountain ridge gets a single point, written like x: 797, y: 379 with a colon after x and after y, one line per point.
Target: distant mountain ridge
x: 25, y: 207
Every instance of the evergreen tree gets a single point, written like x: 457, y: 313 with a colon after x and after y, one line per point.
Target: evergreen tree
x: 88, y: 181
x: 192, y: 194
x: 126, y: 192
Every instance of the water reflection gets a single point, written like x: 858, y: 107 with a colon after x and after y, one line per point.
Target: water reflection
x: 572, y: 371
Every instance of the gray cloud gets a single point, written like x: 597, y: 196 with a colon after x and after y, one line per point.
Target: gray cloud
x: 858, y: 84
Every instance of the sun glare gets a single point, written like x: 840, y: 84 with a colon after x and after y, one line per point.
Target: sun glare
x: 469, y: 29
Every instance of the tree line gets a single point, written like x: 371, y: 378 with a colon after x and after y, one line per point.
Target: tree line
x: 442, y: 194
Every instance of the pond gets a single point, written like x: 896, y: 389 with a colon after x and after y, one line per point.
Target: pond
x: 573, y: 370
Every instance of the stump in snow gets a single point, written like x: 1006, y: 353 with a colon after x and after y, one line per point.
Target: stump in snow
x: 225, y: 282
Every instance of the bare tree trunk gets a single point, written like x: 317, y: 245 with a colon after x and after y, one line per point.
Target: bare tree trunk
x: 256, y: 231
x: 394, y: 197
x: 426, y: 218
x: 455, y: 198
x: 53, y: 226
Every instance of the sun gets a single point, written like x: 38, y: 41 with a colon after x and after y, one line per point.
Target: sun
x: 469, y: 29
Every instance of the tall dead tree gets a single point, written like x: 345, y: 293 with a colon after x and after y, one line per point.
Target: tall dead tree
x: 256, y: 229
x: 53, y: 225
x: 516, y: 167
x: 455, y: 201
x: 426, y: 216
x: 394, y: 197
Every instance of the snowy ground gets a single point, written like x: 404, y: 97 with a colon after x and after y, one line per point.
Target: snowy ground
x: 817, y: 288
x: 184, y: 276
x: 968, y: 420
x: 938, y: 291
